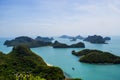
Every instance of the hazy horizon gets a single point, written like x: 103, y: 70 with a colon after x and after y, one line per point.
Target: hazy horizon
x: 59, y: 17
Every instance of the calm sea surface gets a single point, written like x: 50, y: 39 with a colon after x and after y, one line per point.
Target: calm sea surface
x: 65, y: 60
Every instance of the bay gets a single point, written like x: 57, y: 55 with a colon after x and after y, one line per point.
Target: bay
x: 66, y: 61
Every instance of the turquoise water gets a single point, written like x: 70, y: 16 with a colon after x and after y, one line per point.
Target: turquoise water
x: 4, y: 48
x: 65, y: 60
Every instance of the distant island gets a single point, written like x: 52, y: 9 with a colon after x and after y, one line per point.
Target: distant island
x: 29, y: 42
x: 66, y: 36
x: 71, y: 37
x: 97, y: 56
x: 44, y: 39
x: 107, y: 38
x: 39, y: 42
x: 97, y: 39
x: 57, y: 44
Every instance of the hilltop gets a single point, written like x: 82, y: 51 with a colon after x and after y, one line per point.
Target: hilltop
x: 22, y: 61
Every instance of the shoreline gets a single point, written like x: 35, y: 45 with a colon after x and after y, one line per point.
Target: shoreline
x: 67, y: 76
x: 48, y: 64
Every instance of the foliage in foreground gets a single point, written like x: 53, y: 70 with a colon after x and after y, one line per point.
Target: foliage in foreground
x: 24, y: 76
x: 22, y: 60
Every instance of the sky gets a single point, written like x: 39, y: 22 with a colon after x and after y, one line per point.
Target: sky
x: 58, y: 17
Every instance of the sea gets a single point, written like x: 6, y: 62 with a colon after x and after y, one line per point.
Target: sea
x: 62, y: 57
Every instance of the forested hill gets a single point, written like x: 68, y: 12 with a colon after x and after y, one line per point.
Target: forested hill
x: 21, y: 62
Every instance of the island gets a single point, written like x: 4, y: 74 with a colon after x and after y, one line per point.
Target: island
x: 97, y: 57
x: 57, y: 44
x: 66, y: 36
x: 23, y: 64
x: 96, y: 39
x: 24, y: 40
x: 79, y: 37
x: 44, y: 39
x: 71, y: 37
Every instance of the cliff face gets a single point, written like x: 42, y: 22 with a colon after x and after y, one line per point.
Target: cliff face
x: 21, y: 60
x: 97, y: 56
x: 27, y: 41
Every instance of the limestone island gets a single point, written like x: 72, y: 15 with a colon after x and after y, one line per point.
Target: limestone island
x: 79, y: 37
x: 97, y: 39
x: 66, y: 36
x: 97, y: 57
x: 57, y: 44
x: 24, y: 40
x: 71, y: 37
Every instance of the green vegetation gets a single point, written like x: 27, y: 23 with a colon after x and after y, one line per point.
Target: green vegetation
x: 84, y: 52
x: 97, y: 56
x: 57, y: 44
x: 40, y: 41
x: 21, y: 60
x: 26, y: 76
x: 78, y: 45
x: 24, y: 40
x: 95, y: 39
